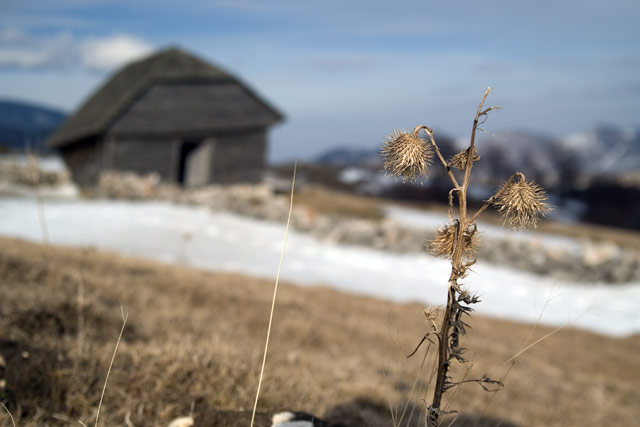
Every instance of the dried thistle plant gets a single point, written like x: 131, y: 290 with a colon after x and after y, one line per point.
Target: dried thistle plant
x: 406, y: 155
x: 459, y: 161
x: 519, y: 201
x: 444, y: 244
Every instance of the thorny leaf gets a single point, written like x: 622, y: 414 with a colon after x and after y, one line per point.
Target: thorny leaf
x: 486, y: 380
x: 425, y: 337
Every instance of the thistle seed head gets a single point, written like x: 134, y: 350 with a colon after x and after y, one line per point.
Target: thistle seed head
x: 521, y: 203
x: 459, y: 161
x: 444, y: 243
x: 406, y: 155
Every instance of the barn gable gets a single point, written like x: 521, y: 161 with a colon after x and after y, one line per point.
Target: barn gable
x: 112, y: 99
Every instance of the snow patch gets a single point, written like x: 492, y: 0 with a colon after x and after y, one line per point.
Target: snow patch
x: 227, y: 242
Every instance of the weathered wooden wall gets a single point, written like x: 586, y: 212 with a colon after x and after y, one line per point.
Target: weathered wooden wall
x: 143, y: 155
x: 226, y: 158
x: 226, y: 119
x: 239, y: 157
x: 193, y: 108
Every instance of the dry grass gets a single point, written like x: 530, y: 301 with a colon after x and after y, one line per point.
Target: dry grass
x: 331, y: 202
x: 624, y: 237
x: 197, y: 337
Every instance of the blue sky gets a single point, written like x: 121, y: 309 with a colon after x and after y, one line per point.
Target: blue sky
x: 349, y: 72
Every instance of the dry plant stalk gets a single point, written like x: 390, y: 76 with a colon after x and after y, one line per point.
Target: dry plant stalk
x: 125, y: 316
x: 519, y: 201
x: 273, y: 300
x: 13, y: 422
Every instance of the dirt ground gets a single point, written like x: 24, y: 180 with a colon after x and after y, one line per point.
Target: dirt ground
x: 194, y: 340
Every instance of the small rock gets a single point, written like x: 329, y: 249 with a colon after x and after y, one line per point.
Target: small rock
x: 182, y: 422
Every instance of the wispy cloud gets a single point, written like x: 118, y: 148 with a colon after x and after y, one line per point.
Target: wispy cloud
x: 354, y: 68
x: 19, y: 50
x: 103, y: 54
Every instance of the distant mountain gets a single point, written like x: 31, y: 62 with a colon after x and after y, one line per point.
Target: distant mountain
x: 22, y: 123
x: 592, y: 176
x: 540, y: 157
x: 607, y: 150
x: 556, y: 163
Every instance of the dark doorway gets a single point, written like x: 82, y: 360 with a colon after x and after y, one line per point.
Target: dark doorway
x: 185, y: 149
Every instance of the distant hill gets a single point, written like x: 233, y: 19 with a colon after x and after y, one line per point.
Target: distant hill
x: 593, y: 175
x: 22, y: 123
x: 605, y: 151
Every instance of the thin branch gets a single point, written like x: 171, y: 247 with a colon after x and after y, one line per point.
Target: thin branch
x: 512, y: 364
x: 495, y: 392
x: 536, y: 342
x: 450, y: 211
x: 495, y: 107
x: 275, y: 292
x: 424, y: 338
x: 495, y: 196
x: 480, y: 381
x: 457, y: 390
x: 445, y: 164
x: 115, y: 350
x: 537, y: 323
x: 479, y: 113
x: 413, y: 389
x: 9, y: 412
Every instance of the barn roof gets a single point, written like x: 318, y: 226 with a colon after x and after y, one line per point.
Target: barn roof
x: 114, y: 97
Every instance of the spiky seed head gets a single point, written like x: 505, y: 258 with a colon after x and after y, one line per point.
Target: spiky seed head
x: 459, y: 161
x: 444, y: 243
x: 406, y: 155
x: 521, y: 203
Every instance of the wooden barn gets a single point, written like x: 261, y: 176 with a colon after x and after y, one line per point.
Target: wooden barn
x: 170, y: 113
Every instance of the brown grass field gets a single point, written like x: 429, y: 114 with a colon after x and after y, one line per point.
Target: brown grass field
x: 194, y: 339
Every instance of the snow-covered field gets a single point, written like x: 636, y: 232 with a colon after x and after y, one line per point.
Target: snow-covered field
x: 225, y: 242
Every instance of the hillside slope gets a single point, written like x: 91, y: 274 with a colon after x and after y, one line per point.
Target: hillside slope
x: 196, y: 338
x: 23, y: 123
